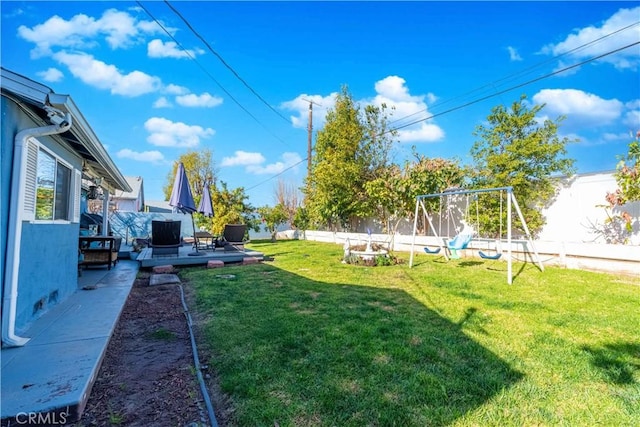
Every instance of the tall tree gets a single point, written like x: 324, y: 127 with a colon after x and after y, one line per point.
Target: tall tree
x: 351, y: 150
x: 332, y: 190
x: 516, y: 149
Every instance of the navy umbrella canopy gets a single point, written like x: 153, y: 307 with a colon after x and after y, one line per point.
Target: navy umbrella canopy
x: 182, y: 199
x: 206, y: 207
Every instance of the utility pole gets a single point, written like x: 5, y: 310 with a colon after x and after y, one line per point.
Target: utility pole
x: 309, y: 136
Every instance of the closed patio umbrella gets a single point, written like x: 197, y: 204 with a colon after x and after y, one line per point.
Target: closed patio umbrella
x: 182, y: 199
x: 206, y: 207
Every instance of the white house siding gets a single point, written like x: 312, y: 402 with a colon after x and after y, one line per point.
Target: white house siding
x: 127, y: 205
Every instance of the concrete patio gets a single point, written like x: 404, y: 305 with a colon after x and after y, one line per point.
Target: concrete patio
x: 48, y: 380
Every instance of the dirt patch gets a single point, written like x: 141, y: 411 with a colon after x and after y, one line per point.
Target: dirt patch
x: 148, y: 375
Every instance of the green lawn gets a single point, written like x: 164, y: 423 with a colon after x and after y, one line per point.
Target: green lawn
x: 304, y: 340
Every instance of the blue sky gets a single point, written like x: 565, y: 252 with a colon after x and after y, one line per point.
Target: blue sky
x: 149, y: 101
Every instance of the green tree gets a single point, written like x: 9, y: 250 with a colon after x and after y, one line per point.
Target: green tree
x: 332, y: 189
x: 396, y: 190
x: 619, y: 225
x: 199, y: 167
x: 232, y: 207
x: 301, y: 219
x: 272, y: 217
x: 351, y: 149
x: 516, y: 149
x: 628, y: 173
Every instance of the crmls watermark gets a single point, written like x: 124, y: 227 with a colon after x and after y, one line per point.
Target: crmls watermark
x: 41, y: 418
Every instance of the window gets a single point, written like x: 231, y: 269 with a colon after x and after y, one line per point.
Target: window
x: 51, y: 186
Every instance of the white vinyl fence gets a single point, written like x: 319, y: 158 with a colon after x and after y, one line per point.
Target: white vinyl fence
x: 577, y: 233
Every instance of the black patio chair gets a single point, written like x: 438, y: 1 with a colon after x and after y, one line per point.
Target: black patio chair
x: 165, y: 238
x: 233, y: 237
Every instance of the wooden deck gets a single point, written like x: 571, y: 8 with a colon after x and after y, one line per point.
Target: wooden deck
x: 187, y: 256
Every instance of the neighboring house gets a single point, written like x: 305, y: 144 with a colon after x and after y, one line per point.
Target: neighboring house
x: 158, y: 206
x: 47, y: 149
x: 129, y: 201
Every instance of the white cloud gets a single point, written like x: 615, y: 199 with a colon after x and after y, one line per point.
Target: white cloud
x: 13, y: 13
x: 393, y: 87
x: 253, y: 162
x: 144, y: 156
x: 624, y: 59
x: 175, y: 89
x: 51, y: 75
x: 204, y: 100
x: 422, y: 132
x: 165, y: 133
x: 120, y: 30
x: 243, y: 158
x: 581, y: 108
x: 513, y: 54
x: 632, y: 120
x: 59, y: 32
x: 288, y: 160
x: 104, y: 76
x: 321, y: 104
x: 633, y: 104
x: 402, y: 108
x: 159, y: 49
x: 162, y: 102
x: 405, y: 108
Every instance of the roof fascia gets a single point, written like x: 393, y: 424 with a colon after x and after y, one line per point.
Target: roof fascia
x: 85, y: 133
x: 40, y: 95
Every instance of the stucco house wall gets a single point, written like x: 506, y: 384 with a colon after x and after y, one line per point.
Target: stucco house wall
x: 41, y: 177
x: 49, y: 250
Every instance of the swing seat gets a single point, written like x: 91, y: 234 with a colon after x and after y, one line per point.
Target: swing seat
x: 487, y: 256
x: 461, y: 241
x: 432, y: 251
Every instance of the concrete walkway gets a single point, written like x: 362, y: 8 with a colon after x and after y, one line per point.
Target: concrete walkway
x: 48, y: 380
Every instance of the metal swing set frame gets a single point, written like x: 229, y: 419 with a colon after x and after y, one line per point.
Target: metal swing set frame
x: 512, y: 204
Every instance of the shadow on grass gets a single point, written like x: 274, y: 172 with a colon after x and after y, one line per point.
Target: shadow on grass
x: 294, y: 351
x: 618, y: 362
x: 469, y: 263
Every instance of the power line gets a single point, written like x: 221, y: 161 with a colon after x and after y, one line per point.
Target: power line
x: 276, y: 175
x: 478, y: 100
x: 524, y: 72
x: 193, y: 58
x: 225, y: 63
x: 484, y: 98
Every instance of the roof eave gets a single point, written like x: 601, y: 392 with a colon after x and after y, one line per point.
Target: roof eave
x: 38, y: 95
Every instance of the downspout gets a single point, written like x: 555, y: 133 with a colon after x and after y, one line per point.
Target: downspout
x: 14, y: 234
x: 105, y: 211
